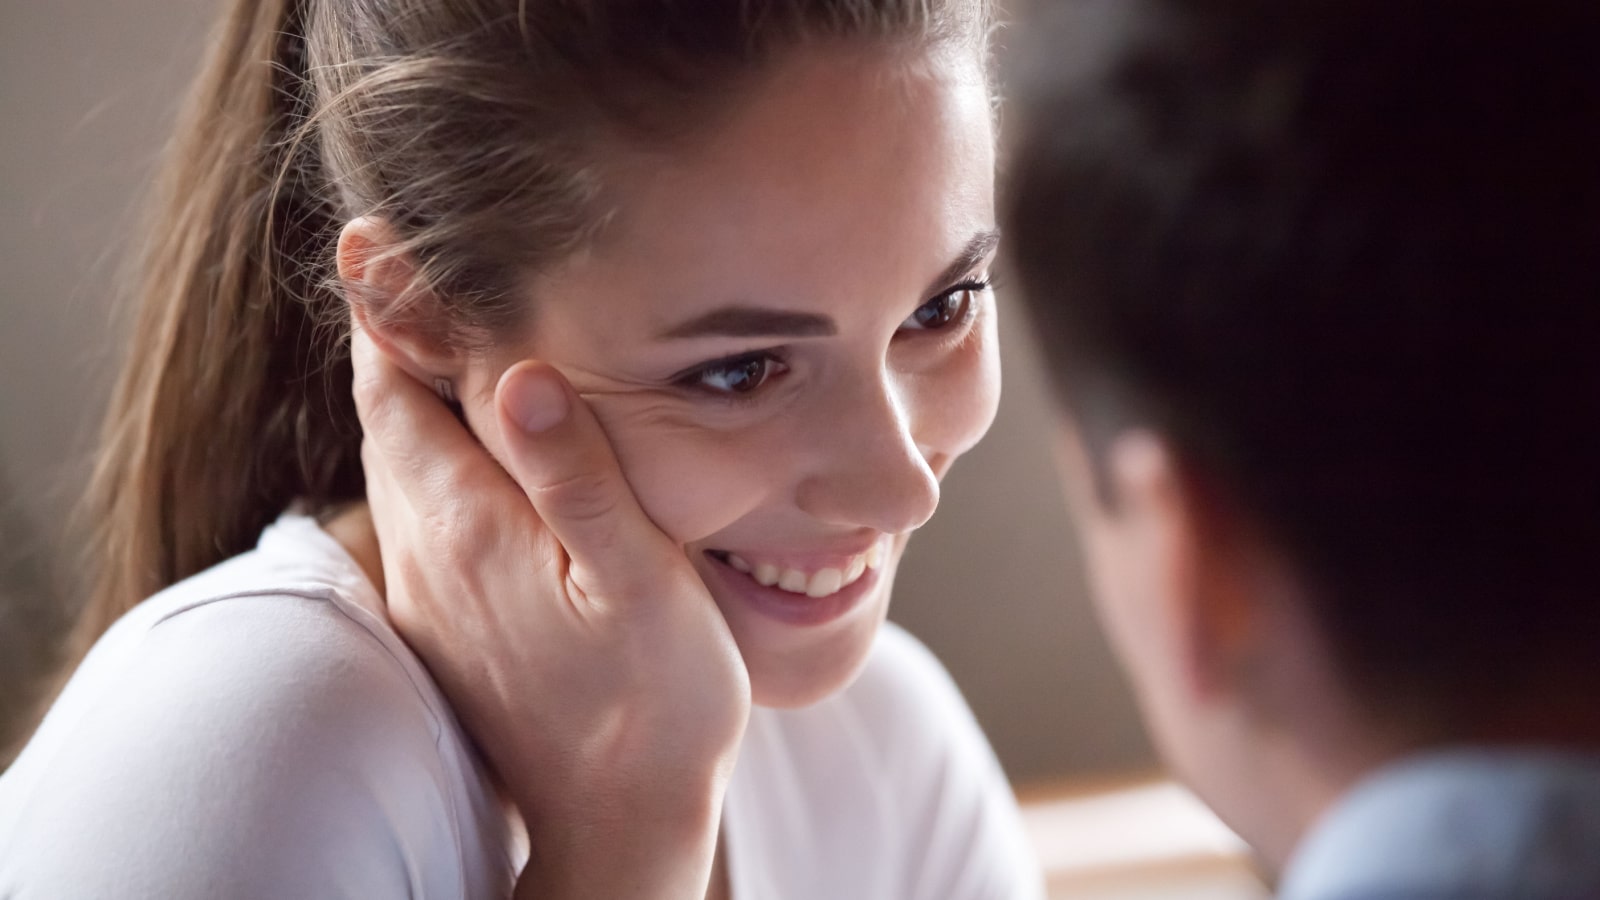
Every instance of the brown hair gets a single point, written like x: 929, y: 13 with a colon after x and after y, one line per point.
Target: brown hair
x: 472, y: 128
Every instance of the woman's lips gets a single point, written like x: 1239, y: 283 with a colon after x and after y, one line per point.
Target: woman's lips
x: 796, y: 607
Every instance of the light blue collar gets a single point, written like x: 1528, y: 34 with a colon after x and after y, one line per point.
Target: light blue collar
x: 1467, y: 822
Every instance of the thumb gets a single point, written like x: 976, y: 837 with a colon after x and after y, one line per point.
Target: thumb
x: 561, y: 457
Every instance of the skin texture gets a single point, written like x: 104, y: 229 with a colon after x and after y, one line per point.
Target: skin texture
x: 843, y: 188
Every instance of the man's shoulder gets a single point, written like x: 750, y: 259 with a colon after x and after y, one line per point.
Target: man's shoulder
x: 1464, y: 894
x: 1464, y: 823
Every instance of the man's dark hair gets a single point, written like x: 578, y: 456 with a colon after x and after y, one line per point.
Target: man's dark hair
x: 1345, y: 257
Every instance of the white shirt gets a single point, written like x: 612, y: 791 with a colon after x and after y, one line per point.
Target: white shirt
x: 260, y: 731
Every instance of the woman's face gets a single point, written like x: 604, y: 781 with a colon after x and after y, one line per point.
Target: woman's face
x: 787, y: 334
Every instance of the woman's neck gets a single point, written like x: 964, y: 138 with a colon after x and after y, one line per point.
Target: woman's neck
x: 351, y: 525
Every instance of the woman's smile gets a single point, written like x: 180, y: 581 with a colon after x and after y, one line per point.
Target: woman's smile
x: 664, y: 321
x: 814, y: 577
x: 788, y: 341
x: 794, y: 596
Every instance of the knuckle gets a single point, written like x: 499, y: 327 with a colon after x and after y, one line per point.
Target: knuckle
x: 411, y: 579
x: 457, y: 531
x: 450, y: 555
x: 586, y: 498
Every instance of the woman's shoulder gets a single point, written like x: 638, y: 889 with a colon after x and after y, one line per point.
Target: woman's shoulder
x: 255, y: 721
x: 290, y: 624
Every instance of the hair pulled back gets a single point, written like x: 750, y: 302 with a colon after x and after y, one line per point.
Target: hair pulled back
x: 475, y: 129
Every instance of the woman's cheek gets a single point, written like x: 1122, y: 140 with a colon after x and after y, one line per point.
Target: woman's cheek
x: 984, y: 354
x: 961, y: 396
x: 692, y: 482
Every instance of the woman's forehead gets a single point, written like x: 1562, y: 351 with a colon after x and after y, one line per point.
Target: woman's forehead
x: 835, y: 171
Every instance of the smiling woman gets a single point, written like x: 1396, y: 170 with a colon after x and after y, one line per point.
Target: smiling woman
x: 788, y: 341
x: 745, y: 251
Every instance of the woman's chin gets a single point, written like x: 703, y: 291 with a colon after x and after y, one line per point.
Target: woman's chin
x: 800, y: 650
x: 799, y: 676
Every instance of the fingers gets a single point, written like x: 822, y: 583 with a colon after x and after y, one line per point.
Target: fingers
x: 418, y: 438
x: 421, y: 461
x: 560, y: 455
x: 434, y: 491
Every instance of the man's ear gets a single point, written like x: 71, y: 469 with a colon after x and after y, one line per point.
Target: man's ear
x: 388, y: 302
x: 1198, y: 545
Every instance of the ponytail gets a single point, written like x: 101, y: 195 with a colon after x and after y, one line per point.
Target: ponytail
x: 233, y: 400
x: 473, y: 127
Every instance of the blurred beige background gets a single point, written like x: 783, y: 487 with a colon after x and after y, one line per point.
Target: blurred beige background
x: 87, y: 93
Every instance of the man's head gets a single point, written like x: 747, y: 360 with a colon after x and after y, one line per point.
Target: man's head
x: 1318, y: 285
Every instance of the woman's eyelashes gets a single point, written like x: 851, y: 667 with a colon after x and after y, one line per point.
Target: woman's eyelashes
x: 742, y: 377
x: 734, y: 377
x: 953, y: 307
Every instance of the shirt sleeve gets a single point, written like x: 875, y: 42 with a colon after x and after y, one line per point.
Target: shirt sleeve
x: 964, y: 838
x: 249, y: 747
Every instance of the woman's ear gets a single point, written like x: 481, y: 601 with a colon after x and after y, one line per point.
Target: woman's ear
x: 387, y: 302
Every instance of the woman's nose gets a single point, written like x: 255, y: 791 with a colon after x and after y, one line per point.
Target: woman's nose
x: 870, y: 472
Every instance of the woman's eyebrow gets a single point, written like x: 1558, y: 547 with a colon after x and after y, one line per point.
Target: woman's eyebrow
x: 752, y: 321
x: 756, y: 321
x: 977, y: 249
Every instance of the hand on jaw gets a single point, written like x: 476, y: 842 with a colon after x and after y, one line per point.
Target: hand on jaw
x: 573, y: 638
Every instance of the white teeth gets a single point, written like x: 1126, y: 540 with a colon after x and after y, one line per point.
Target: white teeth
x: 857, y: 567
x: 793, y: 581
x: 826, y: 582
x: 819, y: 584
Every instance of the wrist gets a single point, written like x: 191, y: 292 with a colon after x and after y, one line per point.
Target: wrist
x: 654, y: 842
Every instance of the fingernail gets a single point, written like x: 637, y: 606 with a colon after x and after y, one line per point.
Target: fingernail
x: 537, y: 402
